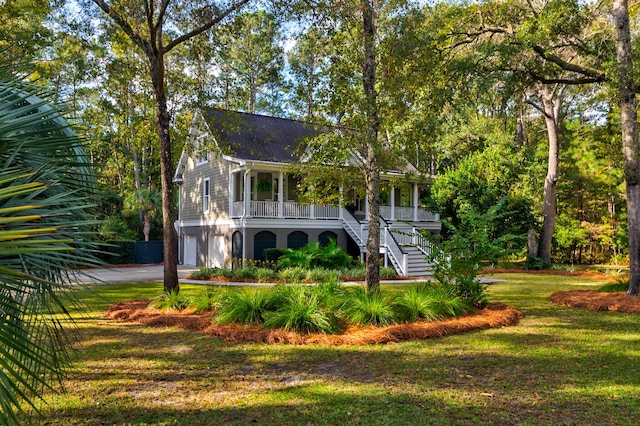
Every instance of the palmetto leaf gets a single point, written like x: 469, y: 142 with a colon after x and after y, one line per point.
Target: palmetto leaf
x: 46, y: 192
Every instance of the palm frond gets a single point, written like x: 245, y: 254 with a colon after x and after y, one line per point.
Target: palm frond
x: 46, y: 201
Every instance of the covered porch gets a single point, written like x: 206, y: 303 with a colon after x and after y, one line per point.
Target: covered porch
x: 256, y: 193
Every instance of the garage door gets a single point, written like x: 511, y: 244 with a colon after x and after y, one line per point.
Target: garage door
x: 216, y: 251
x: 190, y: 250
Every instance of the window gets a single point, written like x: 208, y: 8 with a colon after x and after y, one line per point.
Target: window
x: 261, y: 241
x: 325, y: 237
x: 206, y: 195
x: 297, y: 239
x: 202, y: 158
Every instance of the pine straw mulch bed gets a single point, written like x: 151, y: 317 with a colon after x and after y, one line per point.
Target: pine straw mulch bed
x: 493, y: 316
x: 597, y: 301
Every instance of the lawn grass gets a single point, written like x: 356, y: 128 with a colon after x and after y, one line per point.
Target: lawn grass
x: 557, y: 366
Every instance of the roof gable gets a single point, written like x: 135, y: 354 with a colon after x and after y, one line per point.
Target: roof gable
x: 258, y: 137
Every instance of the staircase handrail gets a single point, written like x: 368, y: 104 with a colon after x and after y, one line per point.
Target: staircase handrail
x: 349, y: 219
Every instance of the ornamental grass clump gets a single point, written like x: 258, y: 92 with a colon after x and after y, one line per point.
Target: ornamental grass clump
x: 207, y: 300
x: 359, y: 307
x: 317, y: 275
x: 293, y: 275
x: 266, y: 275
x: 245, y: 307
x: 171, y: 302
x: 429, y: 302
x: 302, y: 310
x: 621, y: 284
x: 205, y: 273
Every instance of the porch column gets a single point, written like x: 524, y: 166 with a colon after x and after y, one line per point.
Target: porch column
x: 415, y: 202
x: 392, y: 203
x: 247, y: 193
x: 280, y: 194
x: 232, y: 187
x: 341, y: 202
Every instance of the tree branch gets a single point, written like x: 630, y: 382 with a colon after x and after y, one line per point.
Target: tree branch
x: 220, y: 16
x: 594, y: 75
x: 135, y: 37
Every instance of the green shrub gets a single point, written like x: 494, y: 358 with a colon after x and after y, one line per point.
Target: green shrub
x: 359, y: 307
x: 387, y: 272
x: 273, y: 255
x: 207, y: 300
x: 246, y: 273
x: 245, y: 307
x: 333, y: 256
x: 535, y: 264
x: 302, y: 311
x: 313, y: 256
x: 293, y: 275
x: 329, y: 293
x: 171, y: 301
x: 317, y: 275
x: 357, y: 272
x: 265, y: 275
x: 204, y: 273
x: 430, y: 302
x: 228, y: 273
x: 620, y: 284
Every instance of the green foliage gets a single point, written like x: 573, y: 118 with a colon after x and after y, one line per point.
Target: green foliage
x: 317, y: 275
x: 536, y: 264
x: 483, y: 179
x: 356, y: 272
x: 387, y: 272
x: 245, y: 307
x: 273, y: 255
x: 204, y: 273
x: 246, y: 273
x: 619, y: 285
x: 207, y: 300
x: 293, y: 275
x: 171, y: 301
x: 457, y: 260
x: 266, y: 274
x: 46, y: 221
x: 115, y: 228
x: 360, y: 307
x: 304, y: 257
x: 313, y: 255
x: 301, y: 310
x: 333, y: 256
x: 430, y: 302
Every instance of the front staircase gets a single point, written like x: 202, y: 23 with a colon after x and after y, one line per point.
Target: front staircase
x: 405, y: 249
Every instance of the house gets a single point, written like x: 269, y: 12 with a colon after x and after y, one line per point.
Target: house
x: 238, y: 197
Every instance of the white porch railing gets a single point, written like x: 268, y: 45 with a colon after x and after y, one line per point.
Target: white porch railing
x: 264, y: 209
x: 407, y: 213
x: 398, y: 258
x: 412, y: 237
x: 290, y: 210
x: 296, y: 211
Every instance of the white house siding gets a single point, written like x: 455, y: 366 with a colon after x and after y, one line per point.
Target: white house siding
x: 217, y: 170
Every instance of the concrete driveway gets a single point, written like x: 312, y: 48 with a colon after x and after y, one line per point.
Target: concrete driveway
x: 130, y: 274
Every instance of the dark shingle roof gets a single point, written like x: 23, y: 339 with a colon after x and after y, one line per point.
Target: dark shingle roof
x: 258, y: 137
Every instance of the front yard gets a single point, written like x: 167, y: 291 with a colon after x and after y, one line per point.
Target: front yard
x: 557, y: 366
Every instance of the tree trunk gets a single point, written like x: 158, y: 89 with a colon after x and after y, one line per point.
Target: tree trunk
x: 551, y: 102
x: 147, y: 226
x: 371, y: 135
x: 170, y: 239
x: 630, y: 146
